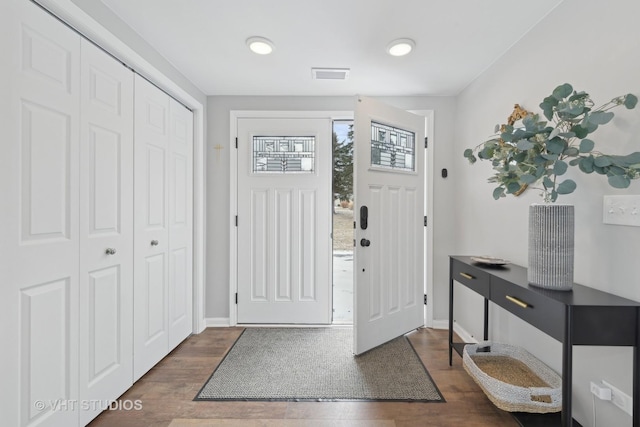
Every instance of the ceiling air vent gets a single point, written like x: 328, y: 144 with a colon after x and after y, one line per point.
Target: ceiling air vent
x: 330, y: 73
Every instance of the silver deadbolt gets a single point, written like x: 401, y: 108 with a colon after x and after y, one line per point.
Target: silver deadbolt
x: 110, y: 251
x: 365, y: 242
x: 154, y: 243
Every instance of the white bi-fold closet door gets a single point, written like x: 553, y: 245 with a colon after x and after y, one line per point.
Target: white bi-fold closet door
x: 68, y: 173
x: 163, y: 225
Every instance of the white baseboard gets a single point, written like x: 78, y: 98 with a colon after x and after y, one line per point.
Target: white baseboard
x: 463, y: 334
x: 440, y: 324
x: 216, y: 322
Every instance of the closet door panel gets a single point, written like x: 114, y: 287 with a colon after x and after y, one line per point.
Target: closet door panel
x: 39, y: 117
x: 106, y: 229
x: 151, y: 235
x: 180, y: 223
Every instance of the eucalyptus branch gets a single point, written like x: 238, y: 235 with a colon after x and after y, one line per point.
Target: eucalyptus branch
x: 523, y: 156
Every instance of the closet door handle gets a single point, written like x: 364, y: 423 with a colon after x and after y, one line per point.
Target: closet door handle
x: 467, y: 276
x: 110, y: 251
x: 154, y: 243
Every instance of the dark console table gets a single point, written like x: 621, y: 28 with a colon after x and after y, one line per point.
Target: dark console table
x: 582, y: 316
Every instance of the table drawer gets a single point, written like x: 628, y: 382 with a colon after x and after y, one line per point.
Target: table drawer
x: 531, y: 306
x: 472, y: 277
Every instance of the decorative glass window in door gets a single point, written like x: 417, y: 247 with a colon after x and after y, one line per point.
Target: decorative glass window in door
x: 283, y: 154
x: 392, y: 148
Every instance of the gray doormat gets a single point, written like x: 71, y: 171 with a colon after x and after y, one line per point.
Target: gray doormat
x: 317, y: 364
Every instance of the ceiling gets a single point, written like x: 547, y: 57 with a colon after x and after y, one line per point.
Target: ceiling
x: 456, y: 40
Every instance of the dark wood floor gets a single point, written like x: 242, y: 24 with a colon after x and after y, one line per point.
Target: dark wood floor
x: 166, y: 394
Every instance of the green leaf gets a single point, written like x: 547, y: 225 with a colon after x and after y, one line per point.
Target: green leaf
x: 550, y: 157
x: 616, y: 170
x: 496, y: 129
x: 619, y: 181
x: 528, y: 178
x: 468, y: 152
x: 560, y: 167
x: 566, y: 187
x: 600, y: 117
x: 554, y: 133
x: 547, y: 182
x: 556, y: 145
x: 547, y: 106
x: 567, y: 135
x: 506, y: 136
x: 529, y: 122
x: 630, y: 101
x: 586, y: 164
x: 486, y: 153
x: 629, y: 159
x: 602, y: 161
x: 539, y: 160
x: 520, y: 157
x: 571, y: 152
x: 590, y: 127
x: 513, y: 187
x: 523, y: 144
x: 498, y: 192
x: 562, y: 91
x: 579, y: 131
x: 586, y: 145
x: 574, y: 162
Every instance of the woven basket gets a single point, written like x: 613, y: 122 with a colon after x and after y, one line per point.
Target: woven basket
x: 532, y: 387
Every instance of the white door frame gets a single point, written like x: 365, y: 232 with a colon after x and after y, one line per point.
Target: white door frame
x: 430, y: 176
x: 234, y: 115
x: 96, y: 32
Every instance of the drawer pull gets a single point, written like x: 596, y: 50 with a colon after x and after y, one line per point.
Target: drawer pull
x: 517, y: 301
x: 467, y: 276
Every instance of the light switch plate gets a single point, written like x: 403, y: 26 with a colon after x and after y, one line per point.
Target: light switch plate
x: 621, y: 210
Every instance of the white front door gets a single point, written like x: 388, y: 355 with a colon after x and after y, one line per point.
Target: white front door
x: 389, y: 202
x: 284, y: 220
x: 106, y: 229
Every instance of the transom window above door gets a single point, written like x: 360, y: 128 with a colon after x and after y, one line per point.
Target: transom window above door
x: 283, y: 154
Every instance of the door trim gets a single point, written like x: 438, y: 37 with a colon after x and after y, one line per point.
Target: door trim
x: 430, y: 176
x: 234, y: 115
x: 89, y: 28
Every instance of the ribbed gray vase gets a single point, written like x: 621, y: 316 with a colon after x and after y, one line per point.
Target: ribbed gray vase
x: 551, y: 246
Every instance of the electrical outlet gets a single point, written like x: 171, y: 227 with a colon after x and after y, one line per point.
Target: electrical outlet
x: 620, y: 399
x: 621, y: 210
x: 600, y: 391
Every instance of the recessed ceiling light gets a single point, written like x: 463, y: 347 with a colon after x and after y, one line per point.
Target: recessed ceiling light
x: 400, y: 47
x: 260, y: 45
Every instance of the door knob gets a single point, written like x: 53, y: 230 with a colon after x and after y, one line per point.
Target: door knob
x: 365, y: 242
x: 154, y: 243
x: 110, y: 251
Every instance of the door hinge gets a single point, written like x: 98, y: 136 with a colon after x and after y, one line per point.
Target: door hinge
x: 237, y: 298
x: 236, y: 220
x: 236, y: 142
x: 425, y: 221
x: 426, y: 142
x: 425, y: 299
x: 354, y: 225
x: 354, y: 243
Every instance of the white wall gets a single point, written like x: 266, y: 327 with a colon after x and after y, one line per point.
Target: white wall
x: 595, y: 47
x: 101, y: 13
x: 219, y: 170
